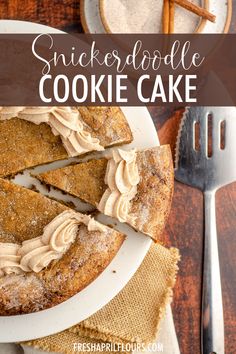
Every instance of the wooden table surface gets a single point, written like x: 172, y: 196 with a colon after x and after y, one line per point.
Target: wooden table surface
x: 185, y: 226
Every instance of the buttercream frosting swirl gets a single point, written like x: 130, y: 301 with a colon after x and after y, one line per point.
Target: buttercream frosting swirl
x: 64, y: 121
x: 122, y: 178
x: 9, y: 259
x: 36, y: 254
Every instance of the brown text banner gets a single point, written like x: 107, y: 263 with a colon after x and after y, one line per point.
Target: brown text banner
x: 64, y: 69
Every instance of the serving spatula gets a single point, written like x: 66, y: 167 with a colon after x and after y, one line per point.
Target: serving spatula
x: 206, y: 159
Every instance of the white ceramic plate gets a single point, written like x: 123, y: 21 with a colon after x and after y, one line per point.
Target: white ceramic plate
x: 185, y: 22
x: 126, y: 262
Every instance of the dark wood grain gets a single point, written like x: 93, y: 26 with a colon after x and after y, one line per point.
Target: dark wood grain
x: 185, y: 230
x: 185, y: 226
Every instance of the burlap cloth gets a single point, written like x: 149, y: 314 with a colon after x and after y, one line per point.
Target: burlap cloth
x: 133, y: 316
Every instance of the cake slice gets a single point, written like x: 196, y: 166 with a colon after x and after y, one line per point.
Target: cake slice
x: 145, y: 206
x: 29, y: 284
x: 31, y: 136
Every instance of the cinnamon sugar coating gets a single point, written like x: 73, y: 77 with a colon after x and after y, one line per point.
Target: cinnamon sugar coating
x: 23, y: 215
x: 24, y: 144
x: 152, y: 203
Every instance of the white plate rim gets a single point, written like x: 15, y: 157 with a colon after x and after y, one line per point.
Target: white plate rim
x: 126, y: 262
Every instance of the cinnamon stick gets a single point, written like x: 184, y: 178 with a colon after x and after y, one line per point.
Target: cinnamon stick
x: 165, y: 17
x: 200, y: 11
x: 171, y: 16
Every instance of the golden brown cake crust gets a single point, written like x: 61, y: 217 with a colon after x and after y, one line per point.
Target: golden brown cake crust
x: 85, y: 180
x: 108, y: 123
x: 24, y: 144
x: 152, y: 202
x: 23, y: 215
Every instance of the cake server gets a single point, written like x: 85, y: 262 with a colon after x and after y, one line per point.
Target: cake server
x: 199, y: 168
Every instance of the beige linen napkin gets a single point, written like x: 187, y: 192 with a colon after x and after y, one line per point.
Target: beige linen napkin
x: 132, y: 317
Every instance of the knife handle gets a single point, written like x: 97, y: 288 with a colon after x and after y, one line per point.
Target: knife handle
x: 212, y: 321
